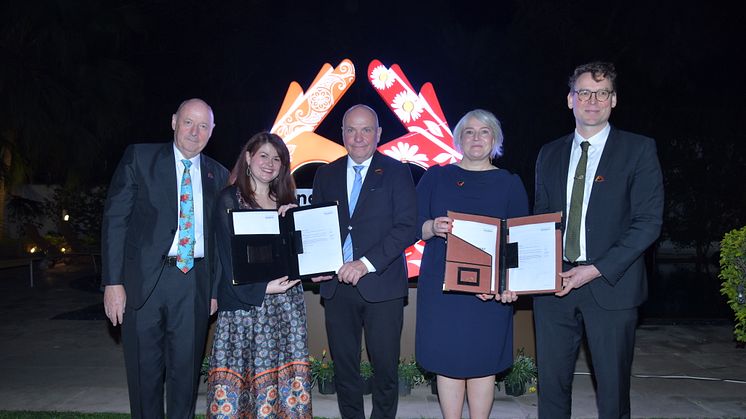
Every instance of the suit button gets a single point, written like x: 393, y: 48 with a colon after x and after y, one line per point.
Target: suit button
x: 349, y: 228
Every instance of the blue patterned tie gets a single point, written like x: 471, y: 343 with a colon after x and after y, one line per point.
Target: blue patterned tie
x: 185, y: 249
x: 357, y: 184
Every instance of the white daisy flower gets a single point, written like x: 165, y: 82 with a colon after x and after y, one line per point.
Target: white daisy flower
x: 406, y: 153
x: 382, y: 78
x: 407, y: 106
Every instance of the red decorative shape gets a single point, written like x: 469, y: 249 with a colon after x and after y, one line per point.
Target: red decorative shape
x: 429, y: 141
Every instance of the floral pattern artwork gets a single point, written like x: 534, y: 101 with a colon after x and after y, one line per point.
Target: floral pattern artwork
x: 407, y: 106
x: 420, y: 113
x: 382, y: 78
x: 429, y: 141
x: 405, y: 153
x: 302, y: 112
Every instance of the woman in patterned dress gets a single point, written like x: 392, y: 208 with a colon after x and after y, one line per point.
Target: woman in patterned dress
x: 259, y: 364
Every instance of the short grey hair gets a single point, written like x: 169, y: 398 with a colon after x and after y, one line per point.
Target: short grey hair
x: 487, y: 118
x: 358, y: 106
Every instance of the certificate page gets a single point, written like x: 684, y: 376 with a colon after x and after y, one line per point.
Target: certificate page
x: 255, y: 222
x: 536, y: 257
x: 481, y: 235
x: 322, y: 251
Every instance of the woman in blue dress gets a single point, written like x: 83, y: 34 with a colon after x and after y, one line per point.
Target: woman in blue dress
x: 463, y: 338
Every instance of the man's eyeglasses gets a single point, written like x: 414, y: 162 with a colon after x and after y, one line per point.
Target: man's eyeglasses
x: 602, y: 95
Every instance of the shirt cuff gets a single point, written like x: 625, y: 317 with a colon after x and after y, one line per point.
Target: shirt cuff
x: 367, y: 264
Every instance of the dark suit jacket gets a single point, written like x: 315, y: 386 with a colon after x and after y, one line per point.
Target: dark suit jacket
x: 624, y: 213
x: 141, y: 218
x: 383, y: 224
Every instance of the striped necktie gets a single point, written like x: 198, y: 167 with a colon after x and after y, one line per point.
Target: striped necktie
x: 357, y: 185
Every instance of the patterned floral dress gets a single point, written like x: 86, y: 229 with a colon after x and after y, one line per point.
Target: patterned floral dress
x: 259, y: 364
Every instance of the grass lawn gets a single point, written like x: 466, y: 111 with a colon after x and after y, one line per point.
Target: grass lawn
x: 4, y: 414
x: 60, y: 415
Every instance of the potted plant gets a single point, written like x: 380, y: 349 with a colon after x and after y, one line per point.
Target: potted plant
x: 322, y: 373
x: 520, y: 375
x: 366, y: 373
x: 733, y: 275
x: 409, y: 376
x: 432, y: 379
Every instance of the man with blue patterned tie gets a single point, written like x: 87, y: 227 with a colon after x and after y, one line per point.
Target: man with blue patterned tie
x: 377, y: 214
x: 157, y: 253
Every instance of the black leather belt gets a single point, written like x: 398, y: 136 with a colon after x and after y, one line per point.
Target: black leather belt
x: 171, y: 260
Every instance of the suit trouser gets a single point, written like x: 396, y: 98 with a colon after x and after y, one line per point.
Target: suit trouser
x: 560, y: 323
x: 164, y: 342
x: 347, y: 315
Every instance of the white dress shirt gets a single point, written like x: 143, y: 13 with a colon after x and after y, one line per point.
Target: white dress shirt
x: 596, y: 148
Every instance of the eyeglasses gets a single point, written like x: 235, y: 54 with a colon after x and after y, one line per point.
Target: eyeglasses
x: 483, y: 133
x: 585, y: 95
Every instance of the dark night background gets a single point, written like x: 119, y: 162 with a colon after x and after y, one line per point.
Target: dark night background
x: 81, y: 79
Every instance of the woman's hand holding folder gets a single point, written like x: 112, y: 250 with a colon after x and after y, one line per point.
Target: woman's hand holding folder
x: 281, y: 285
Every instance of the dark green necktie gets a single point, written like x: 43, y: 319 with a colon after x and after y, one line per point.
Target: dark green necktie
x: 572, y: 235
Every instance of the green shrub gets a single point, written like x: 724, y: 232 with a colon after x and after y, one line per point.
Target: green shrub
x: 733, y: 274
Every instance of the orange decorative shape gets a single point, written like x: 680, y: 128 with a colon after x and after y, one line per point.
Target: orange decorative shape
x: 302, y: 112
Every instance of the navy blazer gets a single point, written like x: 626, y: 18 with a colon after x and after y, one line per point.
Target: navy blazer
x: 624, y: 214
x: 382, y: 227
x: 141, y: 218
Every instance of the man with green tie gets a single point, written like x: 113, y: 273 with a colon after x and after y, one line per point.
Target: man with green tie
x: 608, y: 183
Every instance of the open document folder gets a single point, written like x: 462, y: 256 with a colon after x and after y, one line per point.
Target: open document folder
x: 488, y: 255
x: 303, y: 244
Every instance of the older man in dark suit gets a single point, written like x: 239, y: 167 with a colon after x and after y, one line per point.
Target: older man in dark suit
x: 156, y: 261
x: 609, y: 184
x: 378, y: 213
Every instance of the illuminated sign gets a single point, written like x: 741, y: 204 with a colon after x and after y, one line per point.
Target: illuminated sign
x: 301, y: 113
x: 429, y: 139
x: 428, y: 142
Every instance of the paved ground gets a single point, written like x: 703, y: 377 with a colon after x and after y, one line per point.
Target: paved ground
x: 58, y: 353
